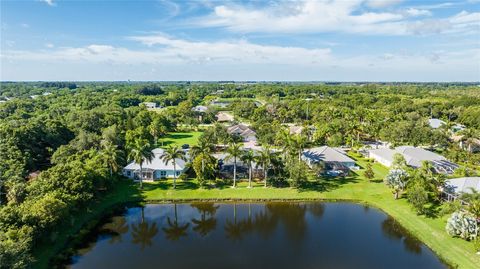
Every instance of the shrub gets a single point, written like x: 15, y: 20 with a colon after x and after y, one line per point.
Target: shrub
x: 463, y: 225
x: 418, y: 197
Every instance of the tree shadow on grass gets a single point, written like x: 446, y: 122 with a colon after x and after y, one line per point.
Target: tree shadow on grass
x: 325, y: 184
x: 168, y: 185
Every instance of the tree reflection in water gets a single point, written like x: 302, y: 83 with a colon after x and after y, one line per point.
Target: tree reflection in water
x: 143, y: 232
x: 393, y: 230
x: 117, y: 227
x: 207, y: 222
x: 175, y: 231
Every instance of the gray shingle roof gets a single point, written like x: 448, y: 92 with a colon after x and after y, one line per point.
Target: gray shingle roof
x: 326, y: 154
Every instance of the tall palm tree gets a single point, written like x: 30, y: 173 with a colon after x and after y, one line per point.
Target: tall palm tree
x: 248, y: 157
x: 205, y: 224
x: 265, y: 159
x: 297, y: 145
x: 203, y: 149
x: 234, y: 152
x: 139, y: 153
x: 172, y: 154
x: 112, y: 157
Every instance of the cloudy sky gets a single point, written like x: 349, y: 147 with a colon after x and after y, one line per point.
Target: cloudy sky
x: 324, y: 40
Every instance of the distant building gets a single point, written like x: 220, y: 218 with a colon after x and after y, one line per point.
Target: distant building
x: 224, y: 117
x: 155, y: 169
x: 295, y: 129
x: 200, y: 109
x: 149, y: 104
x: 242, y: 131
x: 436, y: 123
x: 457, y: 186
x: 414, y: 156
x: 335, y: 160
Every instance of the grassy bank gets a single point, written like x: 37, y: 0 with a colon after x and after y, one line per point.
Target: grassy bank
x: 431, y: 231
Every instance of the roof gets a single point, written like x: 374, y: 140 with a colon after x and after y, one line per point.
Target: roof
x: 326, y: 154
x: 241, y: 129
x: 157, y: 163
x: 200, y: 109
x: 435, y: 123
x: 415, y: 156
x: 384, y: 153
x: 464, y: 184
x: 223, y: 116
x: 295, y: 129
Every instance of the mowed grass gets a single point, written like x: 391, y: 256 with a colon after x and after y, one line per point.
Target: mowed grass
x: 180, y: 138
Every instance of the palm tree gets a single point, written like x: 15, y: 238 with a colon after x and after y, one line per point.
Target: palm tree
x: 173, y: 153
x: 139, y: 153
x: 248, y: 157
x: 204, y: 149
x: 175, y: 230
x: 265, y: 159
x: 112, y: 157
x: 143, y: 233
x: 297, y: 145
x: 205, y: 224
x: 117, y: 226
x: 234, y: 151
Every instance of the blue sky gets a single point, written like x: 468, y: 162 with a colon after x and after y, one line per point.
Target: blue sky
x: 348, y: 40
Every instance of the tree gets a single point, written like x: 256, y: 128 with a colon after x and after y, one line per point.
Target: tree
x: 418, y: 197
x: 202, y: 150
x: 399, y: 161
x: 139, y: 153
x: 234, y: 152
x: 248, y: 157
x: 172, y: 154
x: 112, y: 156
x: 397, y: 180
x: 463, y: 225
x: 298, y: 173
x: 369, y: 174
x: 265, y: 159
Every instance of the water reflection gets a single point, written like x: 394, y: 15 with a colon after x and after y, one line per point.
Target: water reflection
x: 144, y: 232
x: 175, y: 230
x: 393, y: 230
x: 269, y: 235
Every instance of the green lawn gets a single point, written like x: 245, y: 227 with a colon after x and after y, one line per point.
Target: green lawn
x: 180, y: 138
x: 431, y: 231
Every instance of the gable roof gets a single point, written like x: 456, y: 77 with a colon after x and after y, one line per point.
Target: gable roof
x: 157, y: 163
x: 414, y: 156
x: 326, y: 154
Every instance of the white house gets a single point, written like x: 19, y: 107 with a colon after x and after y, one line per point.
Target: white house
x: 414, y: 157
x: 149, y: 104
x: 155, y: 169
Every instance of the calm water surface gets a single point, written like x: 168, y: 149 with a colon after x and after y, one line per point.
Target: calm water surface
x: 271, y: 235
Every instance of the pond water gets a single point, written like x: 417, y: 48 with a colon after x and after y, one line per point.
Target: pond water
x: 263, y: 235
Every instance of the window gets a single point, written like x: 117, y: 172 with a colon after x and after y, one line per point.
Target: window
x: 163, y: 173
x: 178, y: 173
x: 129, y: 173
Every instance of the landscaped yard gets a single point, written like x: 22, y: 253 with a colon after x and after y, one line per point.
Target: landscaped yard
x: 180, y: 138
x: 431, y: 231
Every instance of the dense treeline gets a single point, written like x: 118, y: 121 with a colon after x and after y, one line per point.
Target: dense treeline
x: 77, y: 136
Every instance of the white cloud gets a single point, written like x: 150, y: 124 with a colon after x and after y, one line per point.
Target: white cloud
x: 25, y: 25
x: 315, y: 16
x: 165, y: 50
x: 49, y: 2
x: 382, y: 3
x: 418, y: 12
x: 49, y: 45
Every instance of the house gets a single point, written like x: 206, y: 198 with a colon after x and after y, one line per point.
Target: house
x: 200, y: 109
x: 335, y: 160
x: 414, y: 157
x: 224, y: 117
x: 456, y: 186
x: 295, y: 129
x: 435, y: 123
x: 149, y: 104
x: 471, y: 145
x: 225, y: 166
x: 155, y: 169
x: 242, y: 131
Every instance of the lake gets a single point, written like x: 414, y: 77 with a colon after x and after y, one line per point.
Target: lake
x: 257, y: 235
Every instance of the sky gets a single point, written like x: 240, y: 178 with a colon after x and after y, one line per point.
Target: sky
x: 310, y: 40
